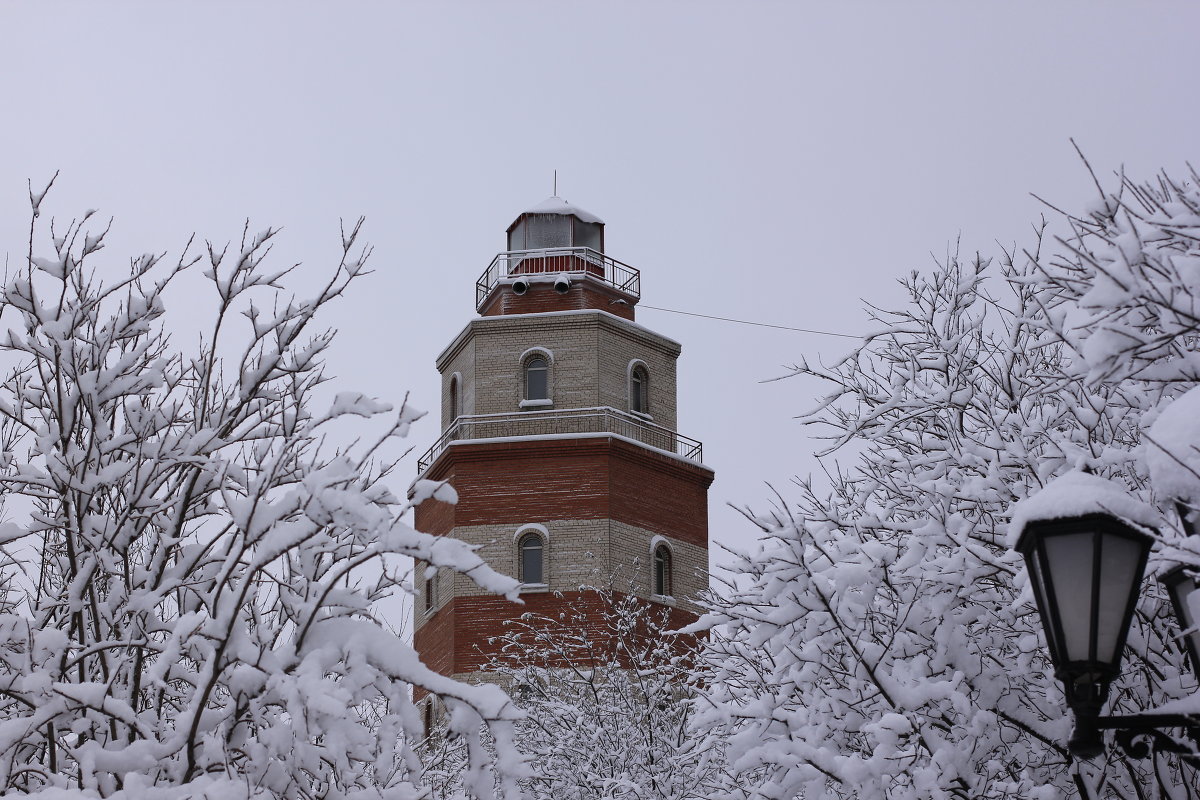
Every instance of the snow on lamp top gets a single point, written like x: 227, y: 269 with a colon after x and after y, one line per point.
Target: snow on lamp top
x: 556, y: 223
x: 1074, y: 495
x: 1172, y: 449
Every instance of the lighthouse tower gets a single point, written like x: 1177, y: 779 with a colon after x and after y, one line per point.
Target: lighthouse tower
x: 559, y: 436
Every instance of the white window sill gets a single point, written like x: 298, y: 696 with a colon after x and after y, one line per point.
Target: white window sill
x: 534, y: 587
x: 642, y: 415
x: 665, y: 599
x: 537, y: 403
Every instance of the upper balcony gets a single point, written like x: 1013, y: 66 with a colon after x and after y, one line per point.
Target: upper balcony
x: 565, y: 422
x: 574, y: 262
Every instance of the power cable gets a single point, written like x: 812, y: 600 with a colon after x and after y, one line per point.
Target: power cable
x: 747, y: 322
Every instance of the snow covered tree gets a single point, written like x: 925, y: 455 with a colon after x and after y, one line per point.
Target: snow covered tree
x: 193, y: 568
x: 1123, y: 296
x: 881, y: 641
x: 607, y: 693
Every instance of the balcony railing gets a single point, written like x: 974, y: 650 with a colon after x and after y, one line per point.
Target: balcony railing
x: 558, y: 260
x: 565, y: 422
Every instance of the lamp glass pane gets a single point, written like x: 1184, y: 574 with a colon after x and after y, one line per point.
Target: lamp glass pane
x: 1034, y: 563
x: 1185, y: 596
x: 1119, y: 559
x: 1191, y: 608
x: 1191, y: 613
x: 1187, y: 603
x: 1069, y: 566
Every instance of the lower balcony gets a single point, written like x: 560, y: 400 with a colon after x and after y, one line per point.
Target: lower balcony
x: 564, y: 422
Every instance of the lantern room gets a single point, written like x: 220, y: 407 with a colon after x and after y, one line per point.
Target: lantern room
x: 555, y: 261
x: 555, y: 223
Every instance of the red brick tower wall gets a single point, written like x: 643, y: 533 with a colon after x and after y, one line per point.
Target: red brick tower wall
x: 543, y: 297
x: 597, y: 478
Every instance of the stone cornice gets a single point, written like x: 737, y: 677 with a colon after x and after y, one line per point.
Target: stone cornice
x: 558, y: 320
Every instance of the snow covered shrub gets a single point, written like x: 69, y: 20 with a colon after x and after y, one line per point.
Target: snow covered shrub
x: 197, y: 577
x: 607, y: 691
x: 882, y: 641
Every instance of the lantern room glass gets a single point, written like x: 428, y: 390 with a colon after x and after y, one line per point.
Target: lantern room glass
x: 534, y: 231
x: 547, y: 231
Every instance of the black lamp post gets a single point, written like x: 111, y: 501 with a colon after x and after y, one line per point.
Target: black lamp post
x: 1086, y: 572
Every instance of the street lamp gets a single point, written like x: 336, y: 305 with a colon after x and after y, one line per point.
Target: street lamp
x: 1185, y: 597
x: 1086, y: 565
x: 1086, y: 574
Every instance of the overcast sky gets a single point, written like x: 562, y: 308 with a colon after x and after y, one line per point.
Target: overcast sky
x: 772, y: 162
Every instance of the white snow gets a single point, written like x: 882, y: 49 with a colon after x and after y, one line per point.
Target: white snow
x: 422, y: 490
x: 386, y: 651
x: 1075, y: 494
x: 557, y: 205
x: 358, y: 404
x: 1181, y: 705
x: 1173, y: 449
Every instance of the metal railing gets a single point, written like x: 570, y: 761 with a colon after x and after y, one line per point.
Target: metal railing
x: 557, y: 260
x: 601, y: 419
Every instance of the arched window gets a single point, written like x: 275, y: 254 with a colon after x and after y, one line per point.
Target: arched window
x: 537, y: 378
x: 430, y: 592
x: 662, y: 570
x: 455, y: 411
x: 530, y: 549
x: 639, y: 390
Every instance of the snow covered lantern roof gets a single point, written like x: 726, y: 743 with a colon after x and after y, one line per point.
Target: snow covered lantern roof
x: 1076, y: 494
x: 555, y: 223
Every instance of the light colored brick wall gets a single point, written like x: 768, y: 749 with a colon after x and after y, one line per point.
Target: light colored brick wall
x: 631, y: 551
x: 620, y: 345
x: 462, y: 362
x: 443, y: 591
x: 572, y: 343
x: 576, y: 555
x: 579, y: 553
x: 592, y: 351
